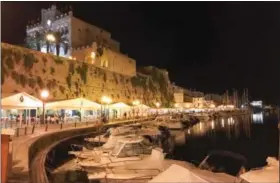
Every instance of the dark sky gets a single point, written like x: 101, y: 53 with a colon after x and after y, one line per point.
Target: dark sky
x: 209, y: 46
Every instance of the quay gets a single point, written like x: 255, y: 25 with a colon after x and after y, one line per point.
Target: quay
x: 19, y: 151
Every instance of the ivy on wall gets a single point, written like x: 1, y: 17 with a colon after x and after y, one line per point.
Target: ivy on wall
x: 155, y: 86
x: 29, y: 60
x: 83, y: 70
x: 52, y: 70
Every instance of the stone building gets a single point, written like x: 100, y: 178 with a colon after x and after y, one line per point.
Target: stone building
x: 67, y: 36
x: 106, y: 58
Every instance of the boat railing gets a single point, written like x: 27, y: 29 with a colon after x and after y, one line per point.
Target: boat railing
x: 136, y: 170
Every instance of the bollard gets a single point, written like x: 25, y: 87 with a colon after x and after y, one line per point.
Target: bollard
x: 25, y: 130
x: 75, y: 124
x: 33, y: 129
x: 60, y: 125
x: 46, y: 129
x: 86, y: 123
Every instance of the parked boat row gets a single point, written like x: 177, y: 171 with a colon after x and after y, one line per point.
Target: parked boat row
x: 137, y: 153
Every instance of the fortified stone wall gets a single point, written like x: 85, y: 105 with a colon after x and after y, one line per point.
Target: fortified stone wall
x: 108, y: 59
x: 24, y: 70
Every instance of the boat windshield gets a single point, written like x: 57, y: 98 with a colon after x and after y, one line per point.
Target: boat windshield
x: 107, y: 133
x: 117, y: 148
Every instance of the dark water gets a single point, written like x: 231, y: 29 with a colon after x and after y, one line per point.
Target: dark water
x: 255, y: 137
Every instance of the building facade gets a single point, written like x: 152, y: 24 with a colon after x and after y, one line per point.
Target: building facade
x: 67, y: 36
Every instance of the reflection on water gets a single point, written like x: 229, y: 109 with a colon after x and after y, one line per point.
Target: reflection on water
x: 253, y: 136
x: 257, y: 118
x: 231, y: 126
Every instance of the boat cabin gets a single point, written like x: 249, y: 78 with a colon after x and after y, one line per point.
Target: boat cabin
x: 131, y: 147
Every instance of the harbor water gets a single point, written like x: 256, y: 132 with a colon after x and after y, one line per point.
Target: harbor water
x: 253, y: 136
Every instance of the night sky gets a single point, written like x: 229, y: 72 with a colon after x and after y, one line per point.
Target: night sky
x: 207, y: 46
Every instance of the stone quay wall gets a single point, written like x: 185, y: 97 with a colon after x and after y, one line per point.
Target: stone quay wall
x: 25, y: 70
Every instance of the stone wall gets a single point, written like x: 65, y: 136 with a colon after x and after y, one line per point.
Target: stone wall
x: 24, y: 70
x: 105, y: 57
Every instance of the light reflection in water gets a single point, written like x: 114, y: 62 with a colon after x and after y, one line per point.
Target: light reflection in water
x: 232, y: 128
x: 258, y: 118
x: 223, y: 123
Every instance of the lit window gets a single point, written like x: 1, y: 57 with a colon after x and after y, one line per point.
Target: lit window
x: 49, y: 22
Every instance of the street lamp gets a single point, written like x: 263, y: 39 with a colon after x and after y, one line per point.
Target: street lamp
x: 50, y: 37
x: 44, y: 96
x: 135, y: 103
x: 157, y: 105
x: 105, y: 100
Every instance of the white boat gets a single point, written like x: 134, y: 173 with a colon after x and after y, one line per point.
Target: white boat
x: 191, y: 174
x: 201, y: 116
x: 122, y: 130
x: 144, y: 168
x: 105, y: 148
x: 207, y: 171
x: 126, y: 150
x: 171, y: 122
x: 269, y: 173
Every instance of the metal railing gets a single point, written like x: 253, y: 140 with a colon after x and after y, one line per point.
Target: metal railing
x: 41, y: 128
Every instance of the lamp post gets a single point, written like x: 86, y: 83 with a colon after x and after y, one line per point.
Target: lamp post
x: 135, y: 103
x: 176, y: 106
x: 105, y: 100
x: 44, y: 96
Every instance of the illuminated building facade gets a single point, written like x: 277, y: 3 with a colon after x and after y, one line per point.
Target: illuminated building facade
x: 64, y: 35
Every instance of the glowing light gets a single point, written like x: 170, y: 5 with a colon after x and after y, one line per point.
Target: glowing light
x: 176, y: 105
x: 258, y: 118
x: 49, y: 22
x: 45, y: 94
x: 136, y: 102
x: 200, y: 126
x: 50, y: 37
x: 157, y: 104
x: 92, y: 55
x: 223, y: 123
x: 189, y: 131
x: 212, y: 124
x: 106, y: 100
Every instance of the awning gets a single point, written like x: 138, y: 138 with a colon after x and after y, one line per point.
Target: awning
x: 119, y: 105
x: 78, y: 103
x: 21, y: 101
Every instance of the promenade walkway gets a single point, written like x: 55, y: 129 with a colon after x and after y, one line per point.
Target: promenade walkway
x: 19, y: 170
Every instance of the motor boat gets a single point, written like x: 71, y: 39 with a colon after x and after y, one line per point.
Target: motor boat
x: 269, y: 173
x: 126, y: 150
x: 216, y: 167
x: 173, y: 122
x: 109, y: 146
x: 122, y: 130
x: 142, y: 168
x: 201, y: 116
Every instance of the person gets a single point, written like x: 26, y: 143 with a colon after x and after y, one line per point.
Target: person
x: 124, y: 115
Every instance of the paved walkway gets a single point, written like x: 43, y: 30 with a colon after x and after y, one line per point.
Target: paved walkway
x: 19, y: 172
